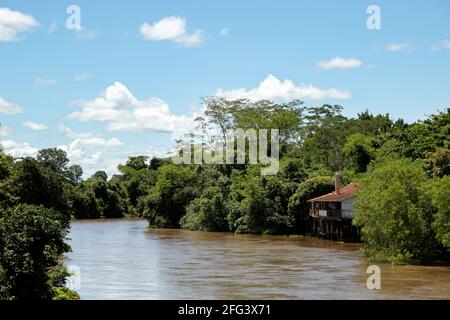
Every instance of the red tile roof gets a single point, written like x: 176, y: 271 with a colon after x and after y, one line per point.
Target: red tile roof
x: 344, y: 194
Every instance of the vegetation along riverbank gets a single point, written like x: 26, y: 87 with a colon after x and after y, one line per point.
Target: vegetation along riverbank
x: 401, y: 205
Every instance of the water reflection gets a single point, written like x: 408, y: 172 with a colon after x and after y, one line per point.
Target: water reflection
x: 121, y: 259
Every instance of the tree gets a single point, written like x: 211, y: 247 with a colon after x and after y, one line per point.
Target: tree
x: 100, y: 175
x: 54, y: 159
x: 395, y: 213
x: 258, y: 204
x: 32, y: 238
x: 438, y: 162
x: 440, y: 193
x: 32, y: 183
x: 134, y: 164
x: 325, y: 135
x: 165, y: 203
x: 6, y: 163
x: 155, y: 163
x: 74, y: 173
x: 207, y: 213
x: 358, y: 151
x: 220, y: 112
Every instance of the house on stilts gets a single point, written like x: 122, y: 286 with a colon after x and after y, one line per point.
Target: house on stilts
x: 332, y: 213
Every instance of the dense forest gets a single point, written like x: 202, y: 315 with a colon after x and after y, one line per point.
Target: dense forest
x: 403, y: 173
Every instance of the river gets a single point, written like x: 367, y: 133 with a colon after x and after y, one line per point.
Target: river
x: 122, y: 259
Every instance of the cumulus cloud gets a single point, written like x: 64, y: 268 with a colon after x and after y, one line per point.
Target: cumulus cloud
x: 44, y: 82
x: 122, y: 111
x: 443, y: 44
x: 174, y: 29
x: 9, y: 107
x: 88, y: 140
x: 273, y: 89
x: 339, y: 63
x: 16, y: 149
x: 78, y: 148
x: 397, y: 46
x: 14, y: 23
x: 34, y: 126
x: 91, y: 151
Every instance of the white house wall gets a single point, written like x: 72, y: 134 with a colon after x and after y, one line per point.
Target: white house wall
x: 347, y: 208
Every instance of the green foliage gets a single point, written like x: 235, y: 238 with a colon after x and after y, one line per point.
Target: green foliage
x: 6, y: 163
x: 63, y: 293
x: 165, y: 204
x: 298, y: 203
x: 440, y: 194
x: 395, y: 213
x: 359, y: 151
x: 258, y: 204
x: 32, y: 238
x: 53, y: 159
x: 74, y: 173
x: 438, y: 162
x: 206, y: 213
x: 57, y: 277
x: 100, y: 176
x: 31, y: 183
x: 294, y: 169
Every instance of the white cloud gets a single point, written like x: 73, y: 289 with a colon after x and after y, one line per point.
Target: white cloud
x: 98, y: 142
x: 13, y: 23
x: 88, y: 150
x: 171, y: 28
x: 89, y: 140
x: 69, y: 133
x: 168, y: 28
x: 16, y: 149
x: 35, y: 126
x: 443, y: 44
x: 339, y: 63
x: 44, y: 82
x: 4, y: 131
x: 190, y: 40
x: 224, y: 31
x: 81, y: 77
x: 397, y: 46
x: 9, y: 108
x: 122, y: 111
x: 273, y: 89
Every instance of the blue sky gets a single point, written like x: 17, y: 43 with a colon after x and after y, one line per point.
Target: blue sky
x: 116, y: 88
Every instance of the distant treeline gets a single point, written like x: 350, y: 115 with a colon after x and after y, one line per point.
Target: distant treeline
x: 402, y: 202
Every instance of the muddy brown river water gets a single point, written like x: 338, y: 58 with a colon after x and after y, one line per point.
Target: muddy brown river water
x: 122, y: 259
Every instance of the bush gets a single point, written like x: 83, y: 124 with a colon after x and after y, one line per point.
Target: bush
x: 440, y: 189
x: 207, y: 213
x: 32, y: 238
x: 395, y: 213
x: 258, y: 204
